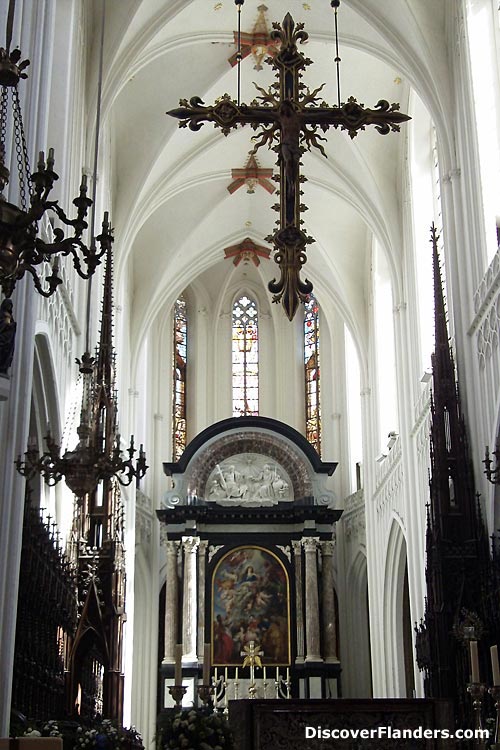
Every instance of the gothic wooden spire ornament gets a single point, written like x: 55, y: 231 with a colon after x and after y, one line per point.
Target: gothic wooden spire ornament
x: 288, y: 117
x: 456, y: 545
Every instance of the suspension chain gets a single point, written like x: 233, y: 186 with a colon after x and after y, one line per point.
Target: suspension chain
x: 21, y: 152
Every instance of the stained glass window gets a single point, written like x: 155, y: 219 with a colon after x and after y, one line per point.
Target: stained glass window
x: 245, y: 353
x: 179, y: 384
x: 311, y: 372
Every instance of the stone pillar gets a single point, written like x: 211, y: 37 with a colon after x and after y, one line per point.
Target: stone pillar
x: 189, y: 599
x: 36, y: 34
x: 171, y: 603
x: 312, y: 604
x: 329, y: 627
x: 202, y: 550
x: 299, y: 605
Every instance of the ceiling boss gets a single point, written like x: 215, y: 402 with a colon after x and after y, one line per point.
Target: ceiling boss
x: 289, y: 118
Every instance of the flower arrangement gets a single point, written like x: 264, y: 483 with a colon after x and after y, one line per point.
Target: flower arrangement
x: 105, y: 736
x: 194, y: 729
x: 102, y: 735
x: 49, y: 729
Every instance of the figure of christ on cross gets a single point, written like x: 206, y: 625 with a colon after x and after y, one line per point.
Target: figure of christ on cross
x: 288, y: 123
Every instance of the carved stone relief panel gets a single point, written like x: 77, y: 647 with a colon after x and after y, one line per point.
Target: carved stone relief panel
x: 248, y: 479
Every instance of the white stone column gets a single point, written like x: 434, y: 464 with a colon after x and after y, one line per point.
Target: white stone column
x: 299, y: 603
x: 310, y: 545
x: 189, y: 599
x: 202, y: 551
x: 36, y: 23
x: 171, y: 602
x: 329, y: 625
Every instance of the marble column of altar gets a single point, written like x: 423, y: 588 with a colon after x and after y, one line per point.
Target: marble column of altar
x: 202, y: 551
x: 329, y: 626
x: 171, y: 602
x: 189, y: 599
x: 299, y: 606
x: 310, y: 545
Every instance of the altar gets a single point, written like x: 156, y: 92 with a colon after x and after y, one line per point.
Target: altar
x: 377, y: 724
x: 248, y: 535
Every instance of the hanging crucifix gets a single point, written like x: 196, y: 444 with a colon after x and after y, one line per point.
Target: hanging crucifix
x: 288, y: 116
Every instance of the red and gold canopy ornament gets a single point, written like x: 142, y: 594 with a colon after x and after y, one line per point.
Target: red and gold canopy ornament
x: 258, y: 42
x: 251, y: 175
x: 247, y: 251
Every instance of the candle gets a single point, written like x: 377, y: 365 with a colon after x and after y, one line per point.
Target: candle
x: 277, y: 674
x: 287, y: 674
x: 206, y: 664
x: 495, y: 666
x: 264, y: 673
x: 178, y: 664
x: 474, y: 661
x: 236, y: 674
x: 225, y: 674
x: 216, y: 674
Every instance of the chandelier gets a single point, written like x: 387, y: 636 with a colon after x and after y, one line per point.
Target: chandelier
x: 97, y: 456
x: 22, y: 249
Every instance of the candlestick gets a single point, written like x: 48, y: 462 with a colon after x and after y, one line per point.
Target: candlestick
x: 177, y: 692
x: 477, y: 691
x: 206, y: 665
x: 205, y: 692
x: 495, y: 665
x: 178, y: 663
x: 474, y: 661
x: 495, y: 694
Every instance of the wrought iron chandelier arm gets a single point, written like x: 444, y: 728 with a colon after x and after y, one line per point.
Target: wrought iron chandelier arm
x: 53, y: 280
x: 78, y: 224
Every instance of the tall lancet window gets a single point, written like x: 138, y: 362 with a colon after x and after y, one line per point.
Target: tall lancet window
x: 245, y: 352
x: 179, y: 384
x: 311, y: 373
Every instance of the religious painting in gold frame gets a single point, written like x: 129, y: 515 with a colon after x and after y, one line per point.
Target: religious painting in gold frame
x: 250, y: 602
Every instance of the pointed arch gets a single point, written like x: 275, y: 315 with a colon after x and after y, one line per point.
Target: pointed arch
x: 179, y: 373
x: 312, y: 372
x: 359, y: 677
x: 245, y: 356
x: 397, y: 615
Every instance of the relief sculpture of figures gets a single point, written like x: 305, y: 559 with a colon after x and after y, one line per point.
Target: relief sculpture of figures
x: 248, y: 479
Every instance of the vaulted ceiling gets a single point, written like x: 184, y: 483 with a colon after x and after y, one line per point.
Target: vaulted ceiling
x: 172, y: 210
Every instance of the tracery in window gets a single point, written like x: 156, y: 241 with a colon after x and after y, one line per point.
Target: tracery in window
x: 179, y: 384
x: 245, y: 357
x: 311, y: 373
